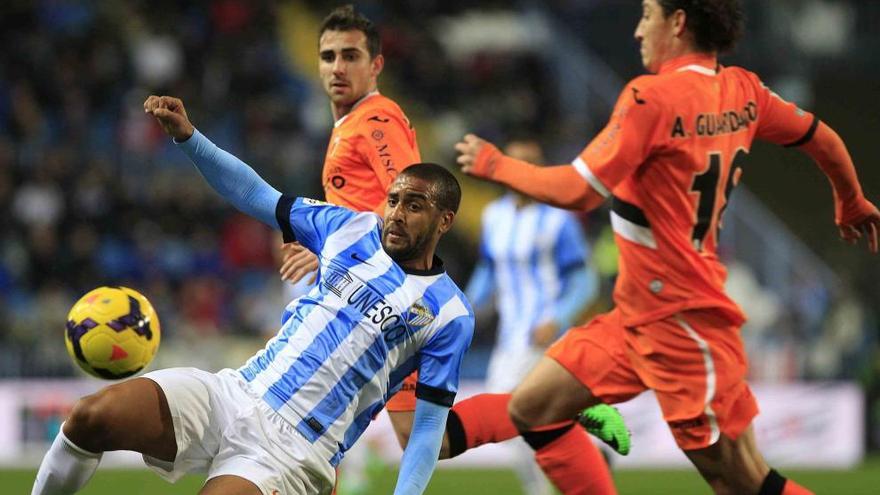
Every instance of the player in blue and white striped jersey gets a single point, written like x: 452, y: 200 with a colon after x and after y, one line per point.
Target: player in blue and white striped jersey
x: 366, y: 325
x: 533, y: 259
x: 382, y: 308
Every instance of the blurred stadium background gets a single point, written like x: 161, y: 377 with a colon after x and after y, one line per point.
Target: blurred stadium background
x: 91, y: 193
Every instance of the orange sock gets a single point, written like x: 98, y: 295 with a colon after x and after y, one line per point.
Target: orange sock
x: 479, y: 420
x: 792, y: 488
x: 571, y: 461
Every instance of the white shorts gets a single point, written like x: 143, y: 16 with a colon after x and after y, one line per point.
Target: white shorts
x: 508, y: 367
x: 223, y: 429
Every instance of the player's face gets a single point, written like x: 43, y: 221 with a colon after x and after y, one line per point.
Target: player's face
x: 655, y: 33
x: 347, y: 71
x: 413, y: 222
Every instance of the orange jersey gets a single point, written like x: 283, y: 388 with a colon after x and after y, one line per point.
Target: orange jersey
x: 668, y: 160
x: 368, y: 147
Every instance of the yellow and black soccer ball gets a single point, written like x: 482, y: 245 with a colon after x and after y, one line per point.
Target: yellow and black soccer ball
x: 112, y: 332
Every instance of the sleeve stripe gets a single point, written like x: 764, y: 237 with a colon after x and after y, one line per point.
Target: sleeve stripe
x: 581, y: 166
x: 436, y: 395
x: 282, y: 216
x: 806, y: 137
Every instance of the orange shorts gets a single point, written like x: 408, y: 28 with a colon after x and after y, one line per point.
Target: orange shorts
x: 405, y: 398
x: 694, y: 362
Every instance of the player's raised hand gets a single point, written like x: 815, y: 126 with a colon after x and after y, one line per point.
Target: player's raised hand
x: 476, y: 156
x: 171, y: 114
x: 863, y: 219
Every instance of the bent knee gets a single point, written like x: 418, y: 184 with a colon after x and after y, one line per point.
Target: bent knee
x: 523, y: 413
x: 86, y: 415
x: 86, y: 425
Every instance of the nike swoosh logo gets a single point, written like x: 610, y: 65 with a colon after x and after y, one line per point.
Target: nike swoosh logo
x: 357, y: 258
x: 638, y: 100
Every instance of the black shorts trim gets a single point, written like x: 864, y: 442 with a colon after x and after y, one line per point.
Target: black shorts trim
x: 436, y: 395
x: 806, y: 137
x: 282, y: 216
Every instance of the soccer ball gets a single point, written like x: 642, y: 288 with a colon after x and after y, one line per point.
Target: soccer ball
x: 112, y: 332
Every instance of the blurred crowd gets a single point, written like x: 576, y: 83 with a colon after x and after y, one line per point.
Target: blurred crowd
x: 93, y: 193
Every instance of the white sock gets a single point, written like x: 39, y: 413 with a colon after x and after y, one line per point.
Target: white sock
x: 65, y: 469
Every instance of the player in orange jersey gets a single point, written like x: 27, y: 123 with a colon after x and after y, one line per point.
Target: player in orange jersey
x: 372, y: 140
x: 667, y: 162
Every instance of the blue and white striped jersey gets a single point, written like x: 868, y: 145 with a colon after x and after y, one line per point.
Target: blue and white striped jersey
x: 368, y: 323
x: 530, y: 251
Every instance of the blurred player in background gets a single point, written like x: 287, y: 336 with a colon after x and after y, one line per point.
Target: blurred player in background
x: 282, y: 422
x: 667, y: 161
x: 533, y: 261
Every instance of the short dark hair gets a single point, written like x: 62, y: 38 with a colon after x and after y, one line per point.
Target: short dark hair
x: 446, y: 188
x: 716, y: 24
x: 345, y: 18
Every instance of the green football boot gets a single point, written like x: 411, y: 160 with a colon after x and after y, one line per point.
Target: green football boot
x: 605, y: 423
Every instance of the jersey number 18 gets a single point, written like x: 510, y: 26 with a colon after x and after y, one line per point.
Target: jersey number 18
x: 706, y: 184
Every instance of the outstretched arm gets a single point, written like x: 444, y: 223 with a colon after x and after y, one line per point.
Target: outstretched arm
x: 422, y: 450
x: 232, y: 178
x: 560, y: 185
x: 854, y: 214
x: 633, y: 132
x: 782, y: 122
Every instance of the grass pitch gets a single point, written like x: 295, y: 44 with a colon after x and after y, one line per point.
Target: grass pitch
x: 864, y: 480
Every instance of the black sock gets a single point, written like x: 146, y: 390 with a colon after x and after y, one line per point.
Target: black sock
x: 539, y: 439
x: 773, y: 484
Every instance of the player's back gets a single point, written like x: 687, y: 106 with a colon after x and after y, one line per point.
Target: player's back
x: 668, y: 213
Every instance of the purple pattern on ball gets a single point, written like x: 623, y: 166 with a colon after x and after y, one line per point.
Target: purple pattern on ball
x: 134, y: 320
x: 75, y: 333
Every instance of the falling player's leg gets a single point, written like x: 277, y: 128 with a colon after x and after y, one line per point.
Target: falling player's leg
x: 132, y: 415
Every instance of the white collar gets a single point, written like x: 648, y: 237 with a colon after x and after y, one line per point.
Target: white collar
x: 363, y: 98
x: 698, y: 69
